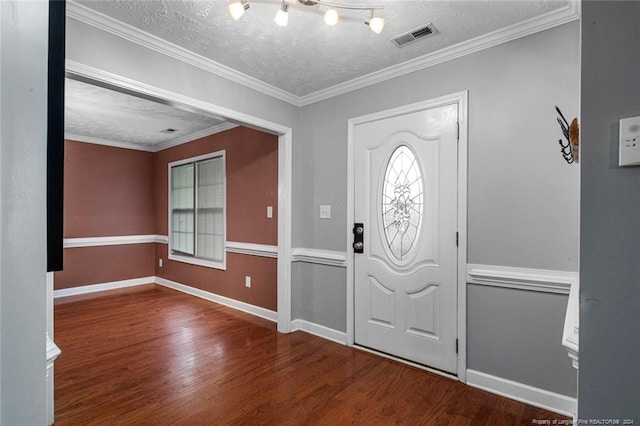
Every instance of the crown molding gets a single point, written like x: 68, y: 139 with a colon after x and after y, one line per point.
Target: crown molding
x: 540, y: 23
x: 106, y: 23
x: 566, y: 14
x: 155, y: 147
x: 108, y: 142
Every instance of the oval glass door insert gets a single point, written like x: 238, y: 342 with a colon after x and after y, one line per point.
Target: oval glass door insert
x: 402, y: 202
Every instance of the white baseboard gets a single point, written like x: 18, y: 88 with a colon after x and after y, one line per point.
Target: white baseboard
x: 235, y: 304
x: 231, y: 303
x: 86, y: 289
x: 319, y: 330
x: 537, y: 397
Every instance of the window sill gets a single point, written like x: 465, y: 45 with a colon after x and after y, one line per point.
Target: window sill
x: 199, y: 262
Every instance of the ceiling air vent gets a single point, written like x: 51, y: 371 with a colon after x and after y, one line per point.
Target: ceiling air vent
x: 414, y: 35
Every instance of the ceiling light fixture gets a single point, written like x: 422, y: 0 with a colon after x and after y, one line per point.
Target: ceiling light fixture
x: 375, y: 23
x: 237, y: 8
x: 282, y: 17
x: 331, y: 17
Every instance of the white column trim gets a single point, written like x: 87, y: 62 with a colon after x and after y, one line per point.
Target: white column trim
x: 322, y: 257
x: 542, y: 280
x: 537, y: 397
x: 571, y: 331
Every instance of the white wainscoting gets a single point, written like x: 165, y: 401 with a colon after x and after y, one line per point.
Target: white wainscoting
x: 524, y: 393
x: 547, y: 281
x: 321, y: 257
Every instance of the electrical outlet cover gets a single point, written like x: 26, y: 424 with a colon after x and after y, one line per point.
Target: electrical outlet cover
x: 629, y: 142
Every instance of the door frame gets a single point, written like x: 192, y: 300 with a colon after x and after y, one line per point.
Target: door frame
x: 461, y: 98
x: 285, y: 162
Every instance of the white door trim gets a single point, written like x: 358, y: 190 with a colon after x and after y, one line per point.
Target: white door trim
x: 285, y: 162
x: 462, y: 99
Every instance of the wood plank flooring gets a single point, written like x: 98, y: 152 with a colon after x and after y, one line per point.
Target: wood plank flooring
x: 160, y: 357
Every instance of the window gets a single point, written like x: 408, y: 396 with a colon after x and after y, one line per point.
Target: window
x: 197, y: 210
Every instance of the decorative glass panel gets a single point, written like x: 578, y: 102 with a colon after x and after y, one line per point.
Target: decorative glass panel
x: 402, y: 202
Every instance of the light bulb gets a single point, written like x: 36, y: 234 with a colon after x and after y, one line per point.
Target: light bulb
x: 237, y: 8
x: 282, y: 17
x: 376, y: 24
x: 331, y: 17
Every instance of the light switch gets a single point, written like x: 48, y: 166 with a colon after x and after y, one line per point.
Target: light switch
x: 629, y: 142
x: 269, y: 212
x: 325, y: 212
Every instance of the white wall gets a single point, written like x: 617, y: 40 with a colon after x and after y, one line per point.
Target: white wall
x: 23, y: 261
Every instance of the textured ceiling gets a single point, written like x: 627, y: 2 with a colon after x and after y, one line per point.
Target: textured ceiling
x: 308, y: 56
x: 105, y: 115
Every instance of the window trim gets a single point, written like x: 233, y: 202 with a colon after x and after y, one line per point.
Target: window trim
x: 189, y: 259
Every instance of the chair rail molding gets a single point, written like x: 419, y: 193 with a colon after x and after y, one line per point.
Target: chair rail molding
x: 548, y: 281
x: 321, y: 257
x: 109, y: 241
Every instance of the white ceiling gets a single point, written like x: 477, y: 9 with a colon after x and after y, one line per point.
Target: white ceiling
x: 308, y: 56
x: 304, y: 59
x: 100, y: 115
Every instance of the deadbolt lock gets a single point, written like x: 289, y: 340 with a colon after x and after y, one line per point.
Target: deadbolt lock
x: 358, y: 238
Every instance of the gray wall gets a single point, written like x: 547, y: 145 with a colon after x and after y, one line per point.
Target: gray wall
x: 610, y: 209
x: 319, y: 296
x: 23, y: 262
x: 520, y: 337
x: 523, y: 198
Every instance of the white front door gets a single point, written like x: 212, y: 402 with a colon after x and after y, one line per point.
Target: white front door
x: 405, y: 280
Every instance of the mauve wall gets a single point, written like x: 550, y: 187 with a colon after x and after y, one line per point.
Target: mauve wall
x: 252, y: 182
x: 116, y: 192
x: 107, y: 192
x: 252, y: 185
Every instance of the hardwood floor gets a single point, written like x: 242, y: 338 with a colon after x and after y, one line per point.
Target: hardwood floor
x: 160, y: 357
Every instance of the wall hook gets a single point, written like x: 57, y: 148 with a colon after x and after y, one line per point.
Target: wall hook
x: 570, y: 150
